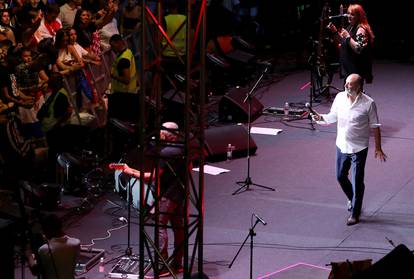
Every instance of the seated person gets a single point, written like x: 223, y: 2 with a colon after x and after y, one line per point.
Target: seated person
x: 57, y: 258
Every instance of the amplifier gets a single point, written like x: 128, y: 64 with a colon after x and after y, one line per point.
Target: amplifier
x: 280, y: 111
x: 128, y: 267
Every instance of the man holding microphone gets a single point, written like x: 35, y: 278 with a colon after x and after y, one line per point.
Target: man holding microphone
x: 356, y: 113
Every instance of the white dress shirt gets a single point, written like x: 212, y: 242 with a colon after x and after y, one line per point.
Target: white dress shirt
x: 354, y: 121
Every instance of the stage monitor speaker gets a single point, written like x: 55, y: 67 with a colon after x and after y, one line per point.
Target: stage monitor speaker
x: 173, y: 107
x: 399, y: 263
x: 124, y: 106
x: 218, y: 138
x: 7, y: 241
x: 233, y: 109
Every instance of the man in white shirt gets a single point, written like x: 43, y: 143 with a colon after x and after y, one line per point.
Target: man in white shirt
x: 355, y: 113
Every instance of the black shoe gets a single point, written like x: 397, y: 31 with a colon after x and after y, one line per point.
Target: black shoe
x: 352, y: 221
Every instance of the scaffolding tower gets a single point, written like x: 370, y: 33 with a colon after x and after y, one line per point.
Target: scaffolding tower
x: 153, y: 39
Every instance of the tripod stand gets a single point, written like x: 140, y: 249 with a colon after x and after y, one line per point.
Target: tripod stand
x: 250, y: 235
x: 317, y: 79
x: 245, y: 185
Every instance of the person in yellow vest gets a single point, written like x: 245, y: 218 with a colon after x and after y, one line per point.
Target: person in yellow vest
x: 57, y: 110
x: 54, y: 116
x: 175, y: 26
x: 123, y: 73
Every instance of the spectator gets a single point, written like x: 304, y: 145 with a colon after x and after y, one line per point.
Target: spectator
x: 86, y: 27
x: 5, y: 26
x: 111, y: 28
x: 27, y: 78
x: 86, y: 56
x: 50, y: 24
x: 68, y: 12
x: 130, y: 17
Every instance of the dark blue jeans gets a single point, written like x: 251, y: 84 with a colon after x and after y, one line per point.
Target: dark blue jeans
x: 354, y: 188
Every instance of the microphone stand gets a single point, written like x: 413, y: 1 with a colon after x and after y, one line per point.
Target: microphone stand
x: 250, y: 235
x: 245, y: 184
x: 128, y: 250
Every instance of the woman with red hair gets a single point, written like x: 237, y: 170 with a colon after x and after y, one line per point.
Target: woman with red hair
x: 356, y: 44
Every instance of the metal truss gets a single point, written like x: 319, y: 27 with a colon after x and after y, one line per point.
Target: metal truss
x: 192, y: 85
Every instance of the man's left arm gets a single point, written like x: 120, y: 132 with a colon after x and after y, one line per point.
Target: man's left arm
x: 378, y: 149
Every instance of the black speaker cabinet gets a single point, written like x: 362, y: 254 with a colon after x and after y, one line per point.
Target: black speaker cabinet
x: 233, y: 109
x: 399, y: 263
x: 173, y: 107
x: 218, y: 138
x: 124, y: 106
x: 7, y: 241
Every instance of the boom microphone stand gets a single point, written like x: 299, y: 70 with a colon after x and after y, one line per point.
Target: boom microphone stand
x: 245, y: 184
x: 250, y: 235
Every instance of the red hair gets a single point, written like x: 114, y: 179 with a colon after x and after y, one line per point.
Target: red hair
x: 362, y: 20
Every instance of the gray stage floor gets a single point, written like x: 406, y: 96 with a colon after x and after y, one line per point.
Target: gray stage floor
x: 306, y: 214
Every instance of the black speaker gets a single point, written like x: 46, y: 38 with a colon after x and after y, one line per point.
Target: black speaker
x: 7, y: 241
x: 124, y: 106
x: 396, y: 264
x: 218, y: 138
x: 233, y: 109
x: 173, y: 107
x: 43, y: 196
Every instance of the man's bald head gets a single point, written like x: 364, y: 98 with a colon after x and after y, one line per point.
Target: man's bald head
x: 169, y: 131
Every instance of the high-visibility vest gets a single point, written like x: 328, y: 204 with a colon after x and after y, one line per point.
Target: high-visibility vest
x: 173, y: 23
x: 49, y: 121
x: 118, y: 86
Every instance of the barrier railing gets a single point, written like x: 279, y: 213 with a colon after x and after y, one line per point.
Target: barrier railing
x: 100, y: 75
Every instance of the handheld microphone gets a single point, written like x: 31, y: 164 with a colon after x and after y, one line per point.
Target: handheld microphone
x: 260, y: 219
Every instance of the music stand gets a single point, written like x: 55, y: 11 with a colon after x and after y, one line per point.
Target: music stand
x: 245, y: 184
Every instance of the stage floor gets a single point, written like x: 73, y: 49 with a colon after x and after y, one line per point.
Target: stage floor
x: 306, y: 214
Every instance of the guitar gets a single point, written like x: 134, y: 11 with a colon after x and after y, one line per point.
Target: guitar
x: 130, y: 171
x: 118, y: 166
x: 124, y: 168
